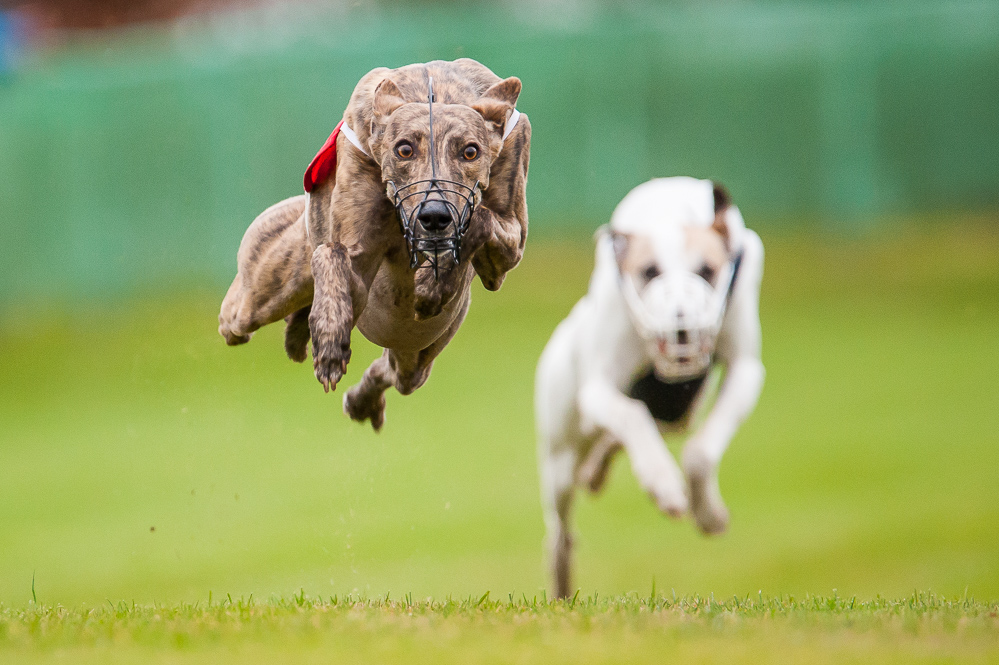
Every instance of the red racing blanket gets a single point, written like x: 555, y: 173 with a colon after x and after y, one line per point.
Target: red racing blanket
x: 324, y: 163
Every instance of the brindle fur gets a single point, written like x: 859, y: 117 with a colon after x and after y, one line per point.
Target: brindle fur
x: 336, y: 259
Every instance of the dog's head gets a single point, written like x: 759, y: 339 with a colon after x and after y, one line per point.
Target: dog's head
x: 436, y: 157
x: 677, y: 263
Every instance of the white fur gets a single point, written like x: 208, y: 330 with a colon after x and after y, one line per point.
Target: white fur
x: 585, y: 372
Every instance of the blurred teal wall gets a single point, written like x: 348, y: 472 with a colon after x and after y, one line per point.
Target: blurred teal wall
x: 139, y: 157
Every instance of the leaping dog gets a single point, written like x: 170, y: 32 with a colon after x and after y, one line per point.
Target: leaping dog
x: 419, y: 188
x: 674, y: 295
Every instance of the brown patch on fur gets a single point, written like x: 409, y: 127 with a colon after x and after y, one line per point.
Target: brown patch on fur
x: 707, y: 243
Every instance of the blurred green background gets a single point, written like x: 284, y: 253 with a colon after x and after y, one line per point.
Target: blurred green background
x: 142, y: 156
x: 142, y: 459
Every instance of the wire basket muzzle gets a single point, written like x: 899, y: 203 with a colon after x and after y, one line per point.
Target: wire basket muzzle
x: 433, y: 244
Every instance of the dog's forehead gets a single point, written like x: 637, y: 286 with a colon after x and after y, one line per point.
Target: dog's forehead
x: 665, y: 202
x: 663, y: 214
x: 663, y: 246
x: 448, y: 118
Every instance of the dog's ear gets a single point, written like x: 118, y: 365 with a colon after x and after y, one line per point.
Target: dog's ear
x: 388, y: 98
x: 722, y: 202
x: 496, y: 104
x: 621, y: 242
x: 728, y: 222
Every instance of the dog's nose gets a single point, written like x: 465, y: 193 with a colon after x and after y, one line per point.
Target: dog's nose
x: 434, y: 215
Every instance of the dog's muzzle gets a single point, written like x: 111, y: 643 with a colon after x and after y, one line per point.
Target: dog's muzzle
x: 434, y: 226
x: 679, y: 316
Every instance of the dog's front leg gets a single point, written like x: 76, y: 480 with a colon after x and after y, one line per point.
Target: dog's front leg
x: 501, y: 251
x: 332, y: 316
x: 503, y: 214
x: 604, y: 408
x: 739, y: 350
x: 703, y: 451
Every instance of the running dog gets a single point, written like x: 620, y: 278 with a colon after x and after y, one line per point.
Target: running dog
x: 674, y: 295
x: 419, y: 188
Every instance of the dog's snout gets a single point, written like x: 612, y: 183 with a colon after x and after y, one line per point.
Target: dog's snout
x: 434, y: 215
x: 681, y: 336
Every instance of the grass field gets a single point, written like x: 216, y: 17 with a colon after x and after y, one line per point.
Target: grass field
x: 143, y: 461
x: 653, y: 629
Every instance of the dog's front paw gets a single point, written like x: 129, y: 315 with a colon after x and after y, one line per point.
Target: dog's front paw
x: 666, y: 487
x: 670, y: 499
x: 706, y: 504
x: 329, y: 360
x: 363, y: 405
x: 330, y: 364
x: 330, y: 354
x: 234, y: 338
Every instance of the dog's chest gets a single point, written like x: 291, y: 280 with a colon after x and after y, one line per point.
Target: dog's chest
x: 668, y: 402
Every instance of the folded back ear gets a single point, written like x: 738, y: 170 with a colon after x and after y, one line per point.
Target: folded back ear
x: 728, y: 221
x: 388, y: 98
x: 496, y: 104
x: 722, y: 201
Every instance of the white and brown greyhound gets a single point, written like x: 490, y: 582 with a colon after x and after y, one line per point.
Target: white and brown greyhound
x: 673, y: 306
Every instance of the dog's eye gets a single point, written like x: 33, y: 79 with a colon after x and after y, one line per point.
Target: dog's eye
x: 651, y: 273
x: 404, y: 150
x: 707, y: 273
x: 470, y: 152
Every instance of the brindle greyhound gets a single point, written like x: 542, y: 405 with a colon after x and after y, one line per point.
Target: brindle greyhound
x: 339, y: 257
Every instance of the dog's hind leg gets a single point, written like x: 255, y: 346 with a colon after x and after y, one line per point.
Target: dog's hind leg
x: 558, y: 470
x: 405, y: 370
x: 593, y: 471
x: 233, y: 327
x: 274, y: 277
x: 366, y: 400
x: 296, y: 334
